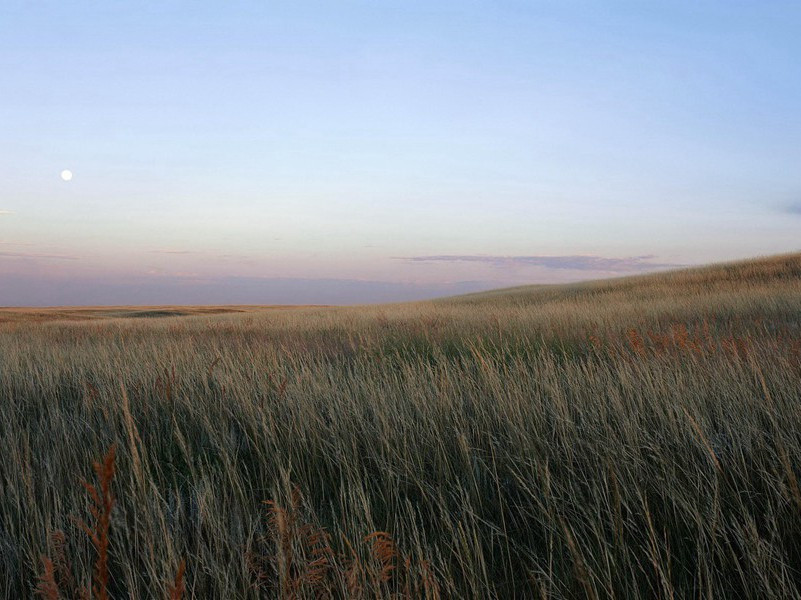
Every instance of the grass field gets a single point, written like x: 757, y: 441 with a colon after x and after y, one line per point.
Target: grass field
x: 630, y: 438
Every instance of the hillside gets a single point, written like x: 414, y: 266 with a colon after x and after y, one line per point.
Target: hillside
x: 637, y: 437
x: 768, y: 275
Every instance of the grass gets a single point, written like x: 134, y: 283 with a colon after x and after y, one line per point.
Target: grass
x: 638, y: 437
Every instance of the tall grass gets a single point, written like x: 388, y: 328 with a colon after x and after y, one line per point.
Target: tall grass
x: 630, y: 438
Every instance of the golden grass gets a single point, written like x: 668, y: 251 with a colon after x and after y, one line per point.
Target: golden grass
x: 630, y: 438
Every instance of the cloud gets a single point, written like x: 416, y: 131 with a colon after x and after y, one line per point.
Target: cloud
x: 577, y: 262
x: 793, y: 209
x: 241, y: 258
x: 6, y: 212
x: 36, y: 255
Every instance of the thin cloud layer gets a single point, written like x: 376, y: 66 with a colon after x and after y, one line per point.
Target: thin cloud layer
x: 6, y: 212
x: 793, y: 209
x: 36, y: 255
x: 577, y: 262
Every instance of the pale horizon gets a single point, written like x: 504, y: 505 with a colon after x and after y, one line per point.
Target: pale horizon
x: 319, y: 154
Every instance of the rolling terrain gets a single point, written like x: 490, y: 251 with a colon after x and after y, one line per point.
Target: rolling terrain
x: 636, y: 437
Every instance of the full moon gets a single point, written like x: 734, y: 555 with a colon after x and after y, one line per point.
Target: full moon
x: 66, y: 174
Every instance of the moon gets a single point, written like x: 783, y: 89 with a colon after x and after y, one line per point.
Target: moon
x: 66, y: 174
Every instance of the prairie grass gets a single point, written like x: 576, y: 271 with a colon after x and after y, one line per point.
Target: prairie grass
x: 638, y: 437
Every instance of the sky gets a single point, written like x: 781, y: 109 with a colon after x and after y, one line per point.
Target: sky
x: 354, y: 152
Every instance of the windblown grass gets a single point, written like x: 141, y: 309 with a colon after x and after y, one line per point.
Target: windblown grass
x: 630, y: 438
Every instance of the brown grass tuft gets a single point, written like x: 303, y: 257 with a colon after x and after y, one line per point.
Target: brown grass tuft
x: 176, y: 590
x: 47, y: 586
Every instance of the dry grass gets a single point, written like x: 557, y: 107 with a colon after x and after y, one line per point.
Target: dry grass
x: 630, y: 438
x: 57, y: 579
x: 88, y: 313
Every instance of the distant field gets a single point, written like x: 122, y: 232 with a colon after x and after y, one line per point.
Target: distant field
x: 85, y: 313
x: 630, y: 438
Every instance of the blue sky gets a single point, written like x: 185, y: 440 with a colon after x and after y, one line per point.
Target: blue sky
x: 366, y: 151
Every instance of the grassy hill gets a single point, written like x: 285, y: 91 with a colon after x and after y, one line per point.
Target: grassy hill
x: 637, y: 437
x: 776, y: 274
